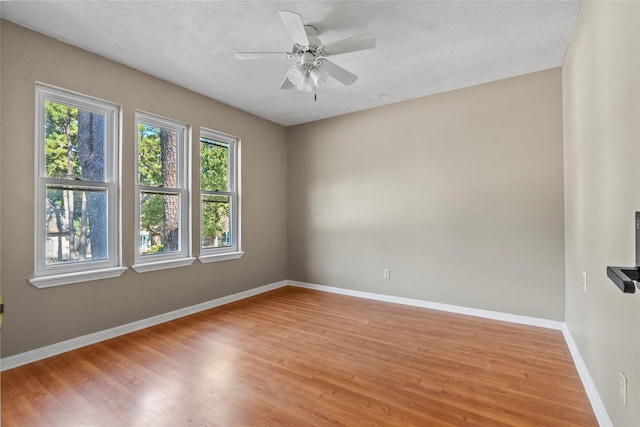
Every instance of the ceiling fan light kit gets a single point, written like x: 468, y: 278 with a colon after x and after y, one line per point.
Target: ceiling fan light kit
x: 306, y: 75
x: 312, y: 68
x: 318, y: 76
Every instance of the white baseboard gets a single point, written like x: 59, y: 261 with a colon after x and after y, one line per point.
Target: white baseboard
x: 74, y: 343
x: 590, y: 388
x: 495, y: 315
x: 597, y: 405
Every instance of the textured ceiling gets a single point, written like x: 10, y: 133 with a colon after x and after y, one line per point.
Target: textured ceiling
x: 422, y: 48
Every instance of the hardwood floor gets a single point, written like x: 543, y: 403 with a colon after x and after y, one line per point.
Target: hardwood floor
x: 296, y: 357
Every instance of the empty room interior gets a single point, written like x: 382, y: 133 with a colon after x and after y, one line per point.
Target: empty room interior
x: 320, y: 213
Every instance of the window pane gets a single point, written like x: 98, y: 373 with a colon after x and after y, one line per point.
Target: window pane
x: 214, y: 165
x: 157, y: 156
x: 76, y: 224
x: 159, y: 223
x: 74, y: 143
x: 216, y: 231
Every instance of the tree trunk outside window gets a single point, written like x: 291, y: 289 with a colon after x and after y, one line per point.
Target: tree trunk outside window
x: 91, y: 144
x: 170, y: 235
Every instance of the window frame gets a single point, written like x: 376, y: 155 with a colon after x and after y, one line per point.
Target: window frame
x: 182, y: 257
x: 234, y: 251
x: 47, y: 275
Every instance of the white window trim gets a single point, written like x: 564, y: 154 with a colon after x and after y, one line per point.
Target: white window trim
x: 182, y: 257
x: 78, y: 277
x: 75, y: 272
x: 205, y: 259
x: 163, y: 264
x: 234, y: 251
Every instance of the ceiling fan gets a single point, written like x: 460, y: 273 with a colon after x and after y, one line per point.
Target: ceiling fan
x: 312, y: 67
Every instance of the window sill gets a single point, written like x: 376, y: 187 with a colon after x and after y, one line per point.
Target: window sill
x: 69, y: 278
x: 162, y: 265
x: 205, y: 259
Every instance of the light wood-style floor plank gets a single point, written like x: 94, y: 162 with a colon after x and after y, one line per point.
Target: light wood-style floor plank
x: 297, y: 357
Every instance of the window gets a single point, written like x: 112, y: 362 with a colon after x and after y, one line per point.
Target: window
x: 77, y: 218
x: 219, y: 203
x: 162, y: 194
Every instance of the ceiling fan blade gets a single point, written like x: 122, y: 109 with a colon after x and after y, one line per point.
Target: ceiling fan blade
x: 352, y: 44
x: 262, y: 55
x: 295, y: 27
x: 286, y: 84
x: 337, y: 72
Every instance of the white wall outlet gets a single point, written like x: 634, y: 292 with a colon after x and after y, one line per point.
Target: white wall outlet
x: 584, y: 281
x: 623, y: 389
x: 386, y: 274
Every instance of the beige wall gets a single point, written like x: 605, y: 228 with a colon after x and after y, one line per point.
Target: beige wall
x: 38, y: 317
x: 601, y: 86
x: 460, y: 195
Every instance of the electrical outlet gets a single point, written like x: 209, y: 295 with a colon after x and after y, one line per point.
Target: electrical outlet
x: 584, y: 281
x: 623, y: 389
x: 386, y: 274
